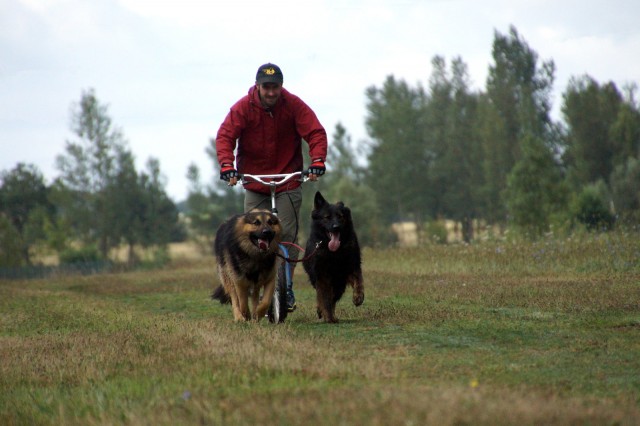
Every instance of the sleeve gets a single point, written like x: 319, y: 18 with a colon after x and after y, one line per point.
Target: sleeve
x: 309, y: 127
x: 228, y: 134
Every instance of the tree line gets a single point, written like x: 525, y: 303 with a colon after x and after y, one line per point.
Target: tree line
x: 493, y: 156
x: 440, y: 151
x: 98, y: 203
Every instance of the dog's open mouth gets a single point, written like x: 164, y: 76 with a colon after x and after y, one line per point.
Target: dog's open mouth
x: 334, y: 241
x: 261, y: 242
x: 263, y: 245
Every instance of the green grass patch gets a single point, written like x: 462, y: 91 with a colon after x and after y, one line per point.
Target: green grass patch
x: 494, y: 333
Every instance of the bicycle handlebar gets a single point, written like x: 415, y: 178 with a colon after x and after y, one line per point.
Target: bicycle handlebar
x: 276, y: 180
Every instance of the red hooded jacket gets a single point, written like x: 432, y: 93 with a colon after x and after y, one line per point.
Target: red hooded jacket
x: 269, y: 141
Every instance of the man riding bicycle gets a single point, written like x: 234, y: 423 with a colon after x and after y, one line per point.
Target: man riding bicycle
x: 268, y: 125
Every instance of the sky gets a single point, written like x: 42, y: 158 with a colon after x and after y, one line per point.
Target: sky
x: 170, y: 70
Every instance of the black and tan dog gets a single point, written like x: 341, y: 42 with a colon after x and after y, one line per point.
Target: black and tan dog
x: 245, y: 248
x: 337, y: 261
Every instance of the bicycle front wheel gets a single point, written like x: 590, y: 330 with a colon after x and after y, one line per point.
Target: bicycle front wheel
x: 278, y: 310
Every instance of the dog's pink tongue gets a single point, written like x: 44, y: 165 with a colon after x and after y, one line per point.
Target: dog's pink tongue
x: 263, y: 245
x: 334, y: 244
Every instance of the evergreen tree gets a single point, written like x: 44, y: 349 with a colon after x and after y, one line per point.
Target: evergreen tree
x: 24, y: 203
x: 438, y: 115
x: 11, y: 247
x: 625, y: 130
x: 125, y: 200
x: 88, y: 170
x: 160, y: 221
x: 518, y: 90
x: 105, y: 200
x: 590, y: 111
x: 457, y: 168
x: 400, y: 157
x: 625, y: 188
x: 534, y: 189
x: 341, y: 157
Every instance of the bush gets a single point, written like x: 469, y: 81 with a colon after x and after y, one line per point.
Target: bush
x: 590, y: 209
x: 435, y: 232
x: 85, y: 254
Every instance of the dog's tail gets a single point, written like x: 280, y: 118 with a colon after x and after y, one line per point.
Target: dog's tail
x: 221, y: 295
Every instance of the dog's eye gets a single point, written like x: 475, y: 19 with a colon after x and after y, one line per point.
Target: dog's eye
x: 256, y: 222
x: 272, y: 221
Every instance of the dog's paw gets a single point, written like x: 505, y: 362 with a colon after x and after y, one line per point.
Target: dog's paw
x: 358, y: 299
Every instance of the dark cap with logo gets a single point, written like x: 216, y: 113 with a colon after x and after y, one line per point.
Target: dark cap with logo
x: 269, y: 73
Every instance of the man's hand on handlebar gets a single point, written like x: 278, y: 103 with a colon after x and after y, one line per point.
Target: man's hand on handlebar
x: 229, y: 174
x: 316, y: 169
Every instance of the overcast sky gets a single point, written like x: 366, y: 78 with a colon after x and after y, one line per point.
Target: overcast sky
x: 170, y: 70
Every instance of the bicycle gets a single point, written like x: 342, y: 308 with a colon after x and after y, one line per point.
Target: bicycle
x: 278, y: 311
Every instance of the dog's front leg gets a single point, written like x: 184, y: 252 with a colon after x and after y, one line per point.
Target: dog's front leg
x: 357, y: 283
x: 269, y: 285
x: 255, y: 297
x: 230, y: 287
x: 326, y: 304
x: 243, y: 302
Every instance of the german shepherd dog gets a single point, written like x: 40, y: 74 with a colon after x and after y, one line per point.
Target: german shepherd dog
x: 336, y: 260
x: 245, y: 248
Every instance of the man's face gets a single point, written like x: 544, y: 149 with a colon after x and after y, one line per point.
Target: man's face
x: 269, y: 93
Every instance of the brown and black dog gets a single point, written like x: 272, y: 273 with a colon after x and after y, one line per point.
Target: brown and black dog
x: 336, y: 261
x: 245, y: 248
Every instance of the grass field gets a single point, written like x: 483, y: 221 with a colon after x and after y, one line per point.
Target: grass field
x: 495, y: 333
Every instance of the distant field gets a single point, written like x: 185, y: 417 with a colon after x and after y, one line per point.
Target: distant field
x: 495, y: 333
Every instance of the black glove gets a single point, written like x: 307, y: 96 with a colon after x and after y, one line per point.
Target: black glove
x: 227, y: 172
x: 317, y: 167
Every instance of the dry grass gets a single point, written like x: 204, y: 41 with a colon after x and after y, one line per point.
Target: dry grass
x: 487, y: 334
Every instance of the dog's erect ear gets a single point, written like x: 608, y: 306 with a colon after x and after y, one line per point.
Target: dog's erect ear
x: 347, y: 212
x: 318, y: 201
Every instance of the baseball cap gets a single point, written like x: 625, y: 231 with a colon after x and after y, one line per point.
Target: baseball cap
x: 269, y: 73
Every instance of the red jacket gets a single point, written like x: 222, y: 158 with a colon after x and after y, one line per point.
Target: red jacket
x: 269, y: 141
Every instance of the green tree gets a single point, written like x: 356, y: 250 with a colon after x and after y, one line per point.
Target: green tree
x: 625, y: 188
x: 161, y: 222
x: 342, y: 161
x: 590, y: 111
x: 142, y: 214
x: 625, y: 130
x: 589, y: 207
x: 438, y: 116
x: 491, y: 128
x: 518, y: 89
x: 105, y: 200
x: 456, y: 172
x: 399, y: 158
x: 10, y: 244
x: 125, y: 204
x: 534, y: 189
x: 89, y: 169
x: 24, y: 202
